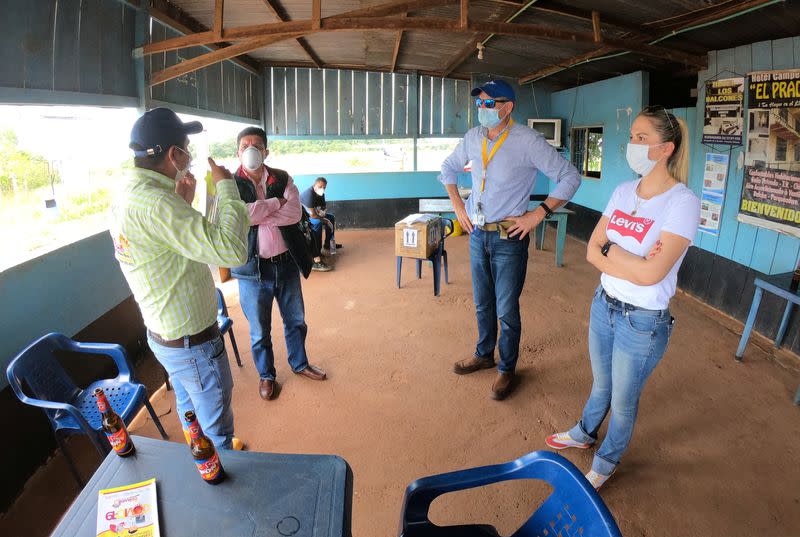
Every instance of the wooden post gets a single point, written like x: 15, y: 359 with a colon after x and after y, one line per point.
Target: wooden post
x: 219, y: 7
x: 464, y: 14
x: 316, y: 14
x: 596, y: 26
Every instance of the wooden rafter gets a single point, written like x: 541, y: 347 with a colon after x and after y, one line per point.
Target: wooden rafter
x: 703, y: 18
x: 553, y: 69
x: 463, y: 13
x: 219, y: 7
x: 398, y: 40
x: 258, y: 36
x: 469, y: 47
x: 217, y: 56
x: 279, y: 13
x: 596, y: 26
x: 195, y: 38
x: 183, y: 23
x: 316, y: 13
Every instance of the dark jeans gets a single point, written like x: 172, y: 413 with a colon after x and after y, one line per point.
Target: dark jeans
x: 282, y: 282
x: 317, y: 226
x: 498, y: 274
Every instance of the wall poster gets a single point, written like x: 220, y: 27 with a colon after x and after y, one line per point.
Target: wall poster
x: 724, y: 121
x: 771, y: 187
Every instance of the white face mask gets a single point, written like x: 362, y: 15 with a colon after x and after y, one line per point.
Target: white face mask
x: 638, y: 159
x: 181, y: 173
x: 252, y: 159
x: 319, y: 191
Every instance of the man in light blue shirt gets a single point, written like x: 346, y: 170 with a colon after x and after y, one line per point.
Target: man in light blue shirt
x: 497, y: 217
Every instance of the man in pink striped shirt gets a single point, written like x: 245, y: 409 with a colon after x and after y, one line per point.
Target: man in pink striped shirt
x: 271, y: 271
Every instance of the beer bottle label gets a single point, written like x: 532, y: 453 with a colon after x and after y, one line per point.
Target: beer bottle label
x: 102, y: 404
x: 209, y: 468
x: 119, y: 440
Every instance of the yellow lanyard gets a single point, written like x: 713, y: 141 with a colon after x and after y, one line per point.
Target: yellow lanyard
x: 497, y: 145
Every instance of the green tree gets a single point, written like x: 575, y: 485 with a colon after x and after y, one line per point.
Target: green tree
x: 21, y: 171
x: 221, y: 150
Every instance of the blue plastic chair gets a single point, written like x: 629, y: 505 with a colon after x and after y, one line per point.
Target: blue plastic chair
x: 70, y: 409
x: 225, y: 324
x: 573, y: 508
x: 437, y: 259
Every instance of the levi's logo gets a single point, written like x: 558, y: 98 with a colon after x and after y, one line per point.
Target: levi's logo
x: 629, y: 226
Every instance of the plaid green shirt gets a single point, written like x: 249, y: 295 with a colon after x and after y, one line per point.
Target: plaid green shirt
x: 163, y: 246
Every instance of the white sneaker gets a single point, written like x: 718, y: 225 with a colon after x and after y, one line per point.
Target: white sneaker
x: 564, y: 441
x: 597, y: 480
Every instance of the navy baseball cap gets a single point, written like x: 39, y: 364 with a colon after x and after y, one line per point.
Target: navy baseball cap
x: 496, y: 89
x: 159, y: 129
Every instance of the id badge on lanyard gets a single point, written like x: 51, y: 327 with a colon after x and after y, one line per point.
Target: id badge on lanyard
x: 480, y: 217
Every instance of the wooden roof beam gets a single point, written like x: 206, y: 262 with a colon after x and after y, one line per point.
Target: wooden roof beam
x: 553, y: 69
x: 280, y: 13
x: 219, y: 7
x: 177, y: 19
x: 469, y: 48
x: 197, y: 35
x: 216, y: 56
x: 447, y: 25
x: 398, y: 40
x: 718, y: 15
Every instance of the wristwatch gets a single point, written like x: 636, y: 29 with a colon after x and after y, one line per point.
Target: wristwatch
x: 548, y: 212
x: 606, y: 247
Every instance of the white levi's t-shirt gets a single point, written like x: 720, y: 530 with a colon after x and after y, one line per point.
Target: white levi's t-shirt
x: 676, y: 211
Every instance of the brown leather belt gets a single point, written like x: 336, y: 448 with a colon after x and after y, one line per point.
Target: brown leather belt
x: 196, y: 339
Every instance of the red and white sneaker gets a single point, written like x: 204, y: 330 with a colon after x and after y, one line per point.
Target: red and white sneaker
x: 597, y: 480
x: 563, y: 441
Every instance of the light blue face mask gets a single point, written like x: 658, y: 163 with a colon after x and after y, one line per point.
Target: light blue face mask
x: 488, y: 117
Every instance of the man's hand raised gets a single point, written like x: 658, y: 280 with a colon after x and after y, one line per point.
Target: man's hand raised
x: 218, y: 173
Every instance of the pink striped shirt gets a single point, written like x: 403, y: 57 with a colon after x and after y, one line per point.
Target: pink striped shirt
x: 268, y: 214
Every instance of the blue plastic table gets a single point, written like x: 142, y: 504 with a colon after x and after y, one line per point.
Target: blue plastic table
x: 264, y: 494
x: 777, y: 284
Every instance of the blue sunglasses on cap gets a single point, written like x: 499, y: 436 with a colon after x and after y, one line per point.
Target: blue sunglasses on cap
x: 488, y: 103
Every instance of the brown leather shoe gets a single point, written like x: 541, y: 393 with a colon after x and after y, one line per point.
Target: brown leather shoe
x: 472, y: 364
x: 266, y: 389
x: 313, y: 372
x: 503, y: 386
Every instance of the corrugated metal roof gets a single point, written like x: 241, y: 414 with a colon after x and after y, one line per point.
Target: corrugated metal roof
x: 436, y: 51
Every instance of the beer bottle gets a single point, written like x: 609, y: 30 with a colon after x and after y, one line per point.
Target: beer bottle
x: 114, y: 427
x: 205, y: 454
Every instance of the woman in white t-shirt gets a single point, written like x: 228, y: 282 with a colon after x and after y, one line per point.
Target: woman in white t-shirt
x: 638, y: 245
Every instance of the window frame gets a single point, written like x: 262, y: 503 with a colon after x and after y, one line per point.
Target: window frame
x: 582, y: 168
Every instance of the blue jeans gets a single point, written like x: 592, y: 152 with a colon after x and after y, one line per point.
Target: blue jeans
x: 201, y: 379
x: 625, y: 345
x: 280, y: 281
x: 317, y: 226
x: 498, y: 274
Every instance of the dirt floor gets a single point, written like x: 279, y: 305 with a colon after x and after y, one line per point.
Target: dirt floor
x: 715, y: 451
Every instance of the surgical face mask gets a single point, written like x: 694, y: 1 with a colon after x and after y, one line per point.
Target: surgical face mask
x: 181, y: 173
x: 638, y: 159
x: 488, y: 117
x: 252, y: 159
x: 320, y: 191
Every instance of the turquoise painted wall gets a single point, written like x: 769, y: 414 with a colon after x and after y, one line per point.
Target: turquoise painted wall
x: 762, y: 249
x: 389, y: 185
x: 611, y: 104
x: 62, y: 291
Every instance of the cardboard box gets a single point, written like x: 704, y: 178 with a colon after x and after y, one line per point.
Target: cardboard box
x: 417, y: 235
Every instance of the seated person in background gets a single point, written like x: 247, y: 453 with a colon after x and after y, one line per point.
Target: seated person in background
x: 313, y: 199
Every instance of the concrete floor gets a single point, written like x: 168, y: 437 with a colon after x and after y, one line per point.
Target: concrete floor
x: 716, y: 446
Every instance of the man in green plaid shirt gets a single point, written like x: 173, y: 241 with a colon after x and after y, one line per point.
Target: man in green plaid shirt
x: 164, y: 247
